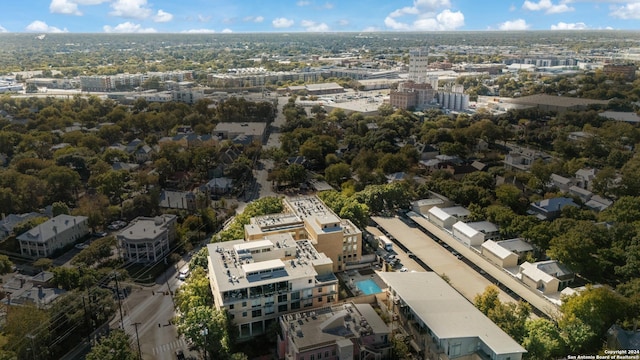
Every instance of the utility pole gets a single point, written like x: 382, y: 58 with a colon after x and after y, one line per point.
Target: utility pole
x: 119, y: 300
x: 138, y: 340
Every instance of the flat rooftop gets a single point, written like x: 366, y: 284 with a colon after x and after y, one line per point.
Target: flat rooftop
x: 241, y: 264
x: 311, y: 206
x: 331, y: 324
x: 447, y: 313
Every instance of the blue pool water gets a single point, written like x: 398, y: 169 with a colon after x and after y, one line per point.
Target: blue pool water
x: 368, y: 287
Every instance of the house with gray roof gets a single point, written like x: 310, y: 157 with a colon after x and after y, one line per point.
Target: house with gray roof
x: 147, y: 239
x: 549, y: 209
x: 10, y: 221
x: 44, y: 239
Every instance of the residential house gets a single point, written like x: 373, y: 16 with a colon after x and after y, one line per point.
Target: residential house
x: 546, y: 276
x: 441, y: 218
x: 220, y: 186
x: 57, y: 233
x: 467, y: 235
x: 441, y: 323
x: 518, y: 246
x: 562, y: 183
x: 179, y: 200
x: 30, y: 290
x: 458, y: 212
x: 489, y: 229
x: 146, y: 239
x: 257, y: 281
x: 498, y: 254
x: 427, y: 151
x: 345, y: 331
x: 584, y: 194
x: 550, y: 209
x: 422, y: 206
x: 143, y: 154
x: 585, y: 177
x: 10, y: 221
x: 598, y: 203
x: 621, y: 339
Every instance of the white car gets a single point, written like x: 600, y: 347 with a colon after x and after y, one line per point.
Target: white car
x: 183, y: 275
x: 404, y: 269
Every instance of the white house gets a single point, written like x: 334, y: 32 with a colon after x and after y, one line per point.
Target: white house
x: 437, y: 216
x: 546, y: 276
x: 147, y: 239
x: 467, y: 235
x: 44, y: 239
x: 499, y: 255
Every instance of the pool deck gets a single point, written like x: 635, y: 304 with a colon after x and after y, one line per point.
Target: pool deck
x: 351, y: 277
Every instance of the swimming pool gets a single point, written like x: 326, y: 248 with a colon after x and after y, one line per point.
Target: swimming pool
x: 368, y: 287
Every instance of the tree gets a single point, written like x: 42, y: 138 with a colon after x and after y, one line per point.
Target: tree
x: 196, y: 291
x: 207, y: 329
x: 23, y: 322
x: 574, y: 247
x: 116, y: 346
x: 336, y: 174
x: 59, y: 208
x: 596, y: 308
x: 43, y: 264
x: 296, y: 174
x: 509, y: 195
x: 542, y: 340
x: 6, y: 265
x: 488, y: 300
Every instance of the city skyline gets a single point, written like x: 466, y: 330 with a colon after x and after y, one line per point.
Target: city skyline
x: 225, y: 16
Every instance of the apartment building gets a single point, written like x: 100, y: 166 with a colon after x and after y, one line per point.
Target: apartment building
x: 258, y: 281
x: 344, y: 331
x: 44, y: 239
x: 442, y: 324
x: 307, y: 217
x: 147, y: 239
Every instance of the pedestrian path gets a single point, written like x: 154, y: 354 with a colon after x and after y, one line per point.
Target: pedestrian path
x: 176, y: 344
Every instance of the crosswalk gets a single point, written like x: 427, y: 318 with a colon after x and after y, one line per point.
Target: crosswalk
x: 180, y: 343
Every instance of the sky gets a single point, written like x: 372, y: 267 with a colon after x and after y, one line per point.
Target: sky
x: 243, y: 16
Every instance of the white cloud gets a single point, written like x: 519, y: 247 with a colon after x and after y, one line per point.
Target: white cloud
x: 3, y: 29
x: 303, y: 3
x: 370, y: 29
x: 127, y: 27
x: 424, y: 16
x: 518, y: 24
x: 328, y: 6
x: 628, y: 11
x: 343, y: 22
x: 64, y: 7
x: 203, y: 18
x: 163, y: 16
x: 70, y: 7
x: 255, y: 19
x: 199, y: 31
x: 41, y: 26
x: 313, y: 26
x: 282, y: 23
x: 134, y: 9
x: 569, y: 26
x: 227, y: 31
x: 548, y: 6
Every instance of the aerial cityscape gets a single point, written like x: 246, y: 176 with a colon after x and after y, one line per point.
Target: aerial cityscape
x: 311, y: 180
